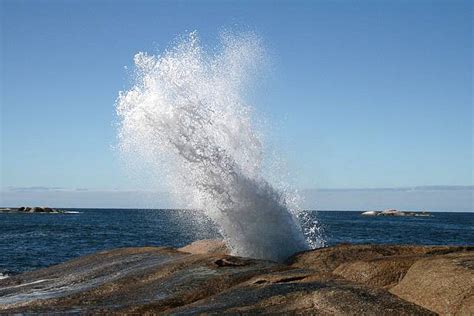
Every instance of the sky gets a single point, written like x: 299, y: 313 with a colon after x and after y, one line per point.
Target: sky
x: 360, y: 95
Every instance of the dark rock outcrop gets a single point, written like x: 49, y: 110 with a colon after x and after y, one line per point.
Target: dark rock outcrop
x: 36, y: 209
x: 190, y: 281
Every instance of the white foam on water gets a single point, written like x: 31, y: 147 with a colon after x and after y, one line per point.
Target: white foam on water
x: 186, y: 117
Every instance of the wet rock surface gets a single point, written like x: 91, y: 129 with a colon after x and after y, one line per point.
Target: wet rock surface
x: 202, y: 278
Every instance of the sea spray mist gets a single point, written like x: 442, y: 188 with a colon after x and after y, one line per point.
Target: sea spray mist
x: 186, y: 114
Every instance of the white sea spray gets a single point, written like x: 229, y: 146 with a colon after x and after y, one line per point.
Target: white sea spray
x: 186, y: 116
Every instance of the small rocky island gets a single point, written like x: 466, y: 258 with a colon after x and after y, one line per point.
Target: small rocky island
x: 202, y: 278
x: 36, y: 209
x: 396, y: 213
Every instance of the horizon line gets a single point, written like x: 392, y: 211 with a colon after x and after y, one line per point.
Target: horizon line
x: 199, y: 210
x: 396, y: 188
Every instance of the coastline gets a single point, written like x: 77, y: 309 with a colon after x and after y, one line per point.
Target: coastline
x: 203, y: 278
x: 56, y: 238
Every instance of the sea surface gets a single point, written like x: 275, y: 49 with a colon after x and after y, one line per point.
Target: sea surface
x: 32, y: 241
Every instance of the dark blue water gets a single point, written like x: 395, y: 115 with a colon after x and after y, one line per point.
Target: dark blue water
x: 31, y: 241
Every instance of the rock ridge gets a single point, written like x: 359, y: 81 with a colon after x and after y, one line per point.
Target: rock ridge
x: 202, y: 278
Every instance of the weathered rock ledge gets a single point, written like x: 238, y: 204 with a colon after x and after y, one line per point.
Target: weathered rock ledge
x: 202, y: 278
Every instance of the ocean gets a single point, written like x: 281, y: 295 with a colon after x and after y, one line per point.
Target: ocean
x: 32, y: 241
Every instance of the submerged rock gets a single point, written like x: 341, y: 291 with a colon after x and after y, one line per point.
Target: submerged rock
x: 202, y: 278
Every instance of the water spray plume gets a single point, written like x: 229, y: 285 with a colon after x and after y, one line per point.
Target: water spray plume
x: 186, y: 113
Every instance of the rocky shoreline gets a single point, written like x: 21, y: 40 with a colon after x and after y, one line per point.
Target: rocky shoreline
x: 202, y: 278
x: 36, y: 209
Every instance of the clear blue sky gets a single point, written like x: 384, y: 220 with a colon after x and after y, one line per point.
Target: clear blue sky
x: 363, y: 94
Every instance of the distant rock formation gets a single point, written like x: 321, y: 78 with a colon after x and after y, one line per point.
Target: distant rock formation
x: 35, y: 209
x: 340, y: 280
x: 395, y: 213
